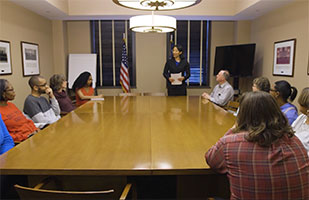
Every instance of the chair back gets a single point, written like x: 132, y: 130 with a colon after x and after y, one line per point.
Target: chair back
x: 37, y: 192
x: 26, y: 193
x: 232, y: 106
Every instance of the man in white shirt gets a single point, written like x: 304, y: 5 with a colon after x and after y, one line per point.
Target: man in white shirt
x: 223, y: 92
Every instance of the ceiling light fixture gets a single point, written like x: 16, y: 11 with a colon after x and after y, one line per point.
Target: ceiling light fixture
x: 156, y: 4
x: 152, y: 23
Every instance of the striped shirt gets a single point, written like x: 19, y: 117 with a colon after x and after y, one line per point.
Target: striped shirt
x: 280, y: 171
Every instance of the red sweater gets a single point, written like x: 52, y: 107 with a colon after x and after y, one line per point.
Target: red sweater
x: 17, y: 124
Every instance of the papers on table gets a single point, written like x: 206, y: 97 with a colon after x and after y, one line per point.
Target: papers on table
x: 175, y: 77
x: 97, y: 99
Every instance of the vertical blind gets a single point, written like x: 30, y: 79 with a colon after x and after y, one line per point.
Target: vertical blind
x: 194, y: 36
x: 107, y: 40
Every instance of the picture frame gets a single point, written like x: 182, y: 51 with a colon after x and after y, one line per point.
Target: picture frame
x: 30, y: 58
x: 5, y: 58
x: 308, y: 64
x: 284, y: 58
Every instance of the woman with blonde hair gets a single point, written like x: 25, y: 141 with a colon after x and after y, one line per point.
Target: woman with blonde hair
x: 261, y: 84
x: 301, y: 124
x: 58, y: 84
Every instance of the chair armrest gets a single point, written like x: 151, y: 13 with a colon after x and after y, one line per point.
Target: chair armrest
x: 43, y: 182
x: 125, y: 191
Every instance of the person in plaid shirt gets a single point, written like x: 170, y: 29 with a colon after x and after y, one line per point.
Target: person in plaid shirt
x: 260, y: 154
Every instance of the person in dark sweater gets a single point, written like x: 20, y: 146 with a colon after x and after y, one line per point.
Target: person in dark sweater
x: 58, y: 84
x: 176, y: 72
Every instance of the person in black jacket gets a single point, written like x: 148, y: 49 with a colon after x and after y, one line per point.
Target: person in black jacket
x: 176, y: 72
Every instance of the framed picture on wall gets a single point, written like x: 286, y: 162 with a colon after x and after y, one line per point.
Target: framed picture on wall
x: 308, y: 64
x: 284, y: 56
x: 5, y: 58
x: 30, y: 58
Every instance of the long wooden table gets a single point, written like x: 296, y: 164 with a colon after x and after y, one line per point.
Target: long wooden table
x: 124, y: 136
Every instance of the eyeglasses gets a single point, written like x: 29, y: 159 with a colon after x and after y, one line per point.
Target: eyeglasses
x: 43, y: 85
x: 9, y: 90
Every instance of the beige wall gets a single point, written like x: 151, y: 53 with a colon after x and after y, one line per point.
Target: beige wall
x: 285, y: 23
x: 79, y: 37
x: 263, y: 31
x: 150, y: 61
x: 151, y: 54
x: 18, y: 24
x: 60, y: 46
x: 222, y: 33
x: 60, y: 38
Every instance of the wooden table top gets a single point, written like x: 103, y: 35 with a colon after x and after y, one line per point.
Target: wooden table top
x: 124, y: 136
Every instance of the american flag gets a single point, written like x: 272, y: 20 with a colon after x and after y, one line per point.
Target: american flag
x: 124, y: 70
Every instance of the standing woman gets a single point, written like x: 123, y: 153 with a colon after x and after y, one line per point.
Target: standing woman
x: 177, y: 64
x: 282, y: 91
x: 83, y: 89
x: 58, y: 84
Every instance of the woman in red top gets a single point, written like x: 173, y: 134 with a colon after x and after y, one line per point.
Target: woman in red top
x: 83, y: 89
x: 19, y: 127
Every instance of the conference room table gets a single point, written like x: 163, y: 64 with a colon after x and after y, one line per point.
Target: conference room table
x: 142, y: 135
x: 124, y: 137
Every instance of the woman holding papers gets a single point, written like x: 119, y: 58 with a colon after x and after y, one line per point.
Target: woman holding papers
x: 176, y: 72
x: 83, y: 89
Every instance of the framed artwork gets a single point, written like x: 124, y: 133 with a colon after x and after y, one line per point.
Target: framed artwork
x: 284, y: 56
x: 308, y: 64
x: 5, y: 58
x: 30, y: 58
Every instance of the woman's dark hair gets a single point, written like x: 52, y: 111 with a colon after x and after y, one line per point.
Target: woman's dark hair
x: 3, y: 86
x: 262, y: 83
x: 81, y: 81
x: 285, y: 90
x: 56, y: 81
x: 303, y: 99
x: 261, y: 117
x: 180, y: 49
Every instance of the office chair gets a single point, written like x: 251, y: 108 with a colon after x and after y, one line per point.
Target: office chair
x: 37, y: 192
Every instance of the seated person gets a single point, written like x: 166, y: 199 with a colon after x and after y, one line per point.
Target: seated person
x: 223, y: 92
x: 301, y: 124
x: 261, y: 84
x: 19, y: 127
x: 282, y: 91
x: 37, y: 107
x: 83, y: 89
x: 260, y: 155
x: 59, y: 85
x: 6, y: 141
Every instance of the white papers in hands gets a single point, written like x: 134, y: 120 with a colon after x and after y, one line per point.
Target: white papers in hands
x: 97, y: 99
x: 175, y: 77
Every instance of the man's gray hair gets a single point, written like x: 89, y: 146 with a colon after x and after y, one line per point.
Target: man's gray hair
x: 226, y: 74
